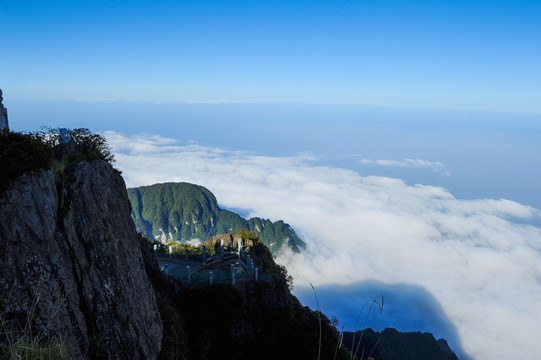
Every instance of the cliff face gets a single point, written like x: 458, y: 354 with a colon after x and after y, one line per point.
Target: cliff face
x: 71, y: 266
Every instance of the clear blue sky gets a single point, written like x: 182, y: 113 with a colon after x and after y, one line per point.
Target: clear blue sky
x: 436, y: 54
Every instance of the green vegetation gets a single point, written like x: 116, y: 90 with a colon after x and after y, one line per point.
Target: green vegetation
x: 22, y: 338
x: 263, y: 257
x: 34, y: 349
x: 84, y: 145
x: 182, y: 211
x: 269, y: 266
x: 194, y: 252
x: 249, y: 235
x: 22, y: 152
x: 90, y: 146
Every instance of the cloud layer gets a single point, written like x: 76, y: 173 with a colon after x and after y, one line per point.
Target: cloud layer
x: 408, y: 163
x: 479, y: 259
x: 403, y: 163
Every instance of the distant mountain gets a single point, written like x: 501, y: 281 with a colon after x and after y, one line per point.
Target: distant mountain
x: 183, y: 211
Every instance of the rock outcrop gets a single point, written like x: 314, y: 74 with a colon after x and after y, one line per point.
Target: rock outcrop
x: 4, y: 124
x: 71, y: 265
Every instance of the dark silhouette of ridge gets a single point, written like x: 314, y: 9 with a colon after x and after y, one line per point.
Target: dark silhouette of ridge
x: 407, y: 308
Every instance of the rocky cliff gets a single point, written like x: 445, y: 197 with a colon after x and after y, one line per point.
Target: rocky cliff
x: 71, y: 267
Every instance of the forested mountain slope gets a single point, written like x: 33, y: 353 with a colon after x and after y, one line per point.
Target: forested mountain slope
x: 183, y: 211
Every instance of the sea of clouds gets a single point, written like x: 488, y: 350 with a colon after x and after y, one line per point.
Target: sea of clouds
x: 466, y: 270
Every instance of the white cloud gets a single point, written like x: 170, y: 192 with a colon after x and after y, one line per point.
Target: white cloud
x: 483, y: 268
x: 412, y: 163
x: 195, y: 242
x: 191, y: 101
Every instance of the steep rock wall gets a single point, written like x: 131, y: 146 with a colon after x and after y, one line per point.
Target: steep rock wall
x: 70, y: 262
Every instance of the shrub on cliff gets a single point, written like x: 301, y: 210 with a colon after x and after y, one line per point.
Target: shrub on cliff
x: 90, y: 146
x: 264, y: 257
x: 20, y: 153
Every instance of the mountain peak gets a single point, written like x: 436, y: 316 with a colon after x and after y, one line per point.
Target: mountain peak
x: 183, y: 211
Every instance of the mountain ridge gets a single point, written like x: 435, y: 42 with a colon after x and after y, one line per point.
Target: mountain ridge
x: 391, y: 344
x: 184, y: 211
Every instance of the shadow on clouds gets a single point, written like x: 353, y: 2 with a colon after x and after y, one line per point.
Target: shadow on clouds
x: 407, y: 308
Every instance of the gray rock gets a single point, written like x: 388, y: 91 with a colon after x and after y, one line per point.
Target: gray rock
x: 70, y: 262
x: 4, y: 124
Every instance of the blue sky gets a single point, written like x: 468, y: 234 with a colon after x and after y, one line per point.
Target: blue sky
x: 436, y: 54
x: 401, y: 139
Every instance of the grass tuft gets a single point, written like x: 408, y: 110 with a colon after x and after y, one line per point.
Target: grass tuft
x: 378, y: 301
x: 319, y: 314
x: 21, y: 339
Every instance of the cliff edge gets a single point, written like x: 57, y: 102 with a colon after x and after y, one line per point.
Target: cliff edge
x: 70, y: 264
